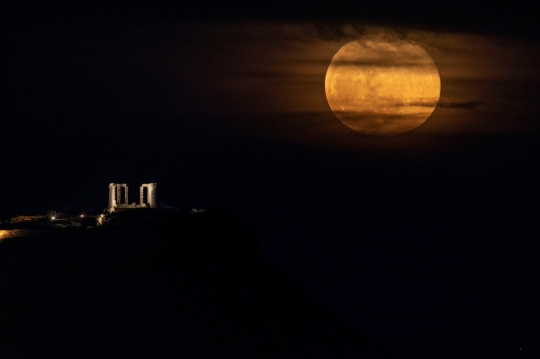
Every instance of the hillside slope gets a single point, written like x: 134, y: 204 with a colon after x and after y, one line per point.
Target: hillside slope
x: 160, y: 284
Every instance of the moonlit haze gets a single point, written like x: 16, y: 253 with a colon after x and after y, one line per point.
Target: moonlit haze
x: 269, y: 80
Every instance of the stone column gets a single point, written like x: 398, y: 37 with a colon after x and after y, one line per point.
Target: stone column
x: 119, y: 187
x: 152, y: 195
x: 112, y: 195
x: 141, y: 202
x: 118, y: 194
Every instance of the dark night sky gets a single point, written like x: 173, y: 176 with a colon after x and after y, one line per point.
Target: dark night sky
x: 427, y: 240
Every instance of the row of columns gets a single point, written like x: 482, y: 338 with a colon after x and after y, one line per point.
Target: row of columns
x: 115, y: 195
x: 150, y: 194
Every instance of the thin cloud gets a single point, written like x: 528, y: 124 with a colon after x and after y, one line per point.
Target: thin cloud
x: 466, y: 105
x: 425, y: 103
x: 340, y: 31
x: 384, y: 63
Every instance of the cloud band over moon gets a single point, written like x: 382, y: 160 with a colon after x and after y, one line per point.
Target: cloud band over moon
x: 281, y: 68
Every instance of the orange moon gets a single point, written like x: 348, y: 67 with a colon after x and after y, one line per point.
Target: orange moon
x: 382, y: 88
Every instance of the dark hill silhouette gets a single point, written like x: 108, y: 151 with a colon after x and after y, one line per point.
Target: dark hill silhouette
x: 161, y: 284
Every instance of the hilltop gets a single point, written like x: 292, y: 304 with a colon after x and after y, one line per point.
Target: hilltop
x: 156, y: 283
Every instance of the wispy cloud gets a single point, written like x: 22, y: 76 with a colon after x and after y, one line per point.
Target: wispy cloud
x: 466, y: 105
x: 280, y: 68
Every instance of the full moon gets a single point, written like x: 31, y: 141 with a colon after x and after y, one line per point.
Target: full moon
x: 382, y: 88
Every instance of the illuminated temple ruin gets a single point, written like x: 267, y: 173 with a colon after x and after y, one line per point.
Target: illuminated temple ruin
x: 118, y: 197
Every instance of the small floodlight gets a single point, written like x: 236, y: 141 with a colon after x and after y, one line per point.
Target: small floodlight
x: 52, y: 217
x: 82, y: 215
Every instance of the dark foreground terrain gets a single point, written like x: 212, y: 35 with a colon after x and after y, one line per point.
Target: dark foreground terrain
x: 161, y: 284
